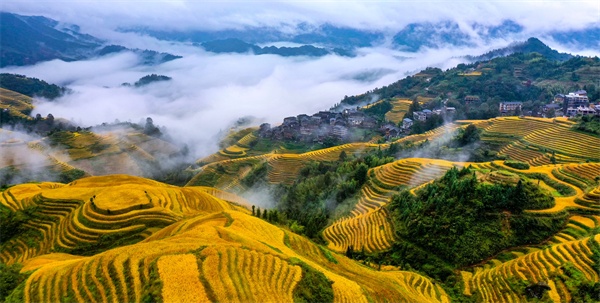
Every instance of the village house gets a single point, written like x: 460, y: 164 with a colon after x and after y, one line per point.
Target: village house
x: 356, y: 118
x: 407, y: 123
x: 585, y: 110
x: 389, y: 130
x: 471, y: 99
x: 510, y: 106
x: 289, y: 121
x: 340, y: 132
x: 419, y: 116
x: 575, y: 99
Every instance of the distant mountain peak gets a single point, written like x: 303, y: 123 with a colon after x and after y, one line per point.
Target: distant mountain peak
x: 532, y: 45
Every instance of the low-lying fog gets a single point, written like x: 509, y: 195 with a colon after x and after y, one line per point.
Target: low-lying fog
x: 208, y: 92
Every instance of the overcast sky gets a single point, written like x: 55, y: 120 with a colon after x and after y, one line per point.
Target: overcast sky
x: 536, y: 16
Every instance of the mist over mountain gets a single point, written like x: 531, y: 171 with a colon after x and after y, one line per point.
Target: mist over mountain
x: 28, y: 40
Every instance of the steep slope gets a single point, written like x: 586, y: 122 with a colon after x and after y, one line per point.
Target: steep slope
x: 96, y: 213
x: 214, y: 251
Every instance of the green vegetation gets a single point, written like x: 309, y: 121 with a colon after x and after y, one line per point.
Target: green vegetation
x: 516, y: 164
x: 12, y: 223
x: 30, y: 86
x: 588, y: 124
x: 145, y: 80
x: 10, y: 280
x: 378, y: 110
x: 313, y: 287
x: 320, y: 188
x: 527, y: 77
x: 458, y: 221
x: 152, y: 289
x: 71, y: 175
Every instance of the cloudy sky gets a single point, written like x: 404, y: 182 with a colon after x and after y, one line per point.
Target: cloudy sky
x: 210, y: 91
x: 538, y: 15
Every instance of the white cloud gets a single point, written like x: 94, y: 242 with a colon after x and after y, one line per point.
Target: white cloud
x: 536, y: 16
x: 208, y: 92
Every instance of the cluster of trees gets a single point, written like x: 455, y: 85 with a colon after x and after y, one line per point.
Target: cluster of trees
x: 588, y: 124
x: 307, y: 205
x: 459, y: 220
x: 31, y: 87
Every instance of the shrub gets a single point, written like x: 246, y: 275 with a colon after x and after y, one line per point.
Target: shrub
x: 516, y: 164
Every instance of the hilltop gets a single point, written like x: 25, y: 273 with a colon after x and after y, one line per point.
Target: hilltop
x: 532, y: 78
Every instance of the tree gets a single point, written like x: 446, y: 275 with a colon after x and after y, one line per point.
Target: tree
x: 343, y: 156
x: 10, y: 278
x: 253, y: 210
x: 469, y: 135
x: 258, y: 212
x: 50, y: 119
x: 553, y: 158
x: 150, y: 129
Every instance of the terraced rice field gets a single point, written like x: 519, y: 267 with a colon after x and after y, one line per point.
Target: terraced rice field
x: 519, y: 151
x: 544, y: 133
x: 17, y: 104
x: 590, y: 199
x: 215, y: 257
x: 80, y: 213
x: 399, y: 109
x: 284, y: 168
x: 493, y: 283
x: 368, y: 224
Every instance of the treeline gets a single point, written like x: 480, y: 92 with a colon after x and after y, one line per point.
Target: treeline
x: 31, y: 87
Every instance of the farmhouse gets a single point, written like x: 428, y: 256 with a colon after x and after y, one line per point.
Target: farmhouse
x: 575, y: 99
x: 510, y: 106
x: 472, y: 99
x: 407, y: 123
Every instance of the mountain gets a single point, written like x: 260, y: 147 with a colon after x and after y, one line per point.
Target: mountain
x: 433, y: 35
x: 31, y: 87
x: 531, y: 73
x: 532, y: 45
x: 233, y: 45
x: 28, y: 40
x: 327, y: 35
x: 31, y: 39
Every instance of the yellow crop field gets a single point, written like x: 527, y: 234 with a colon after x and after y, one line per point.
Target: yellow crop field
x: 492, y: 284
x: 179, y: 275
x: 471, y: 74
x: 214, y: 257
x: 17, y: 104
x: 82, y: 212
x: 539, y: 137
x: 399, y: 109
